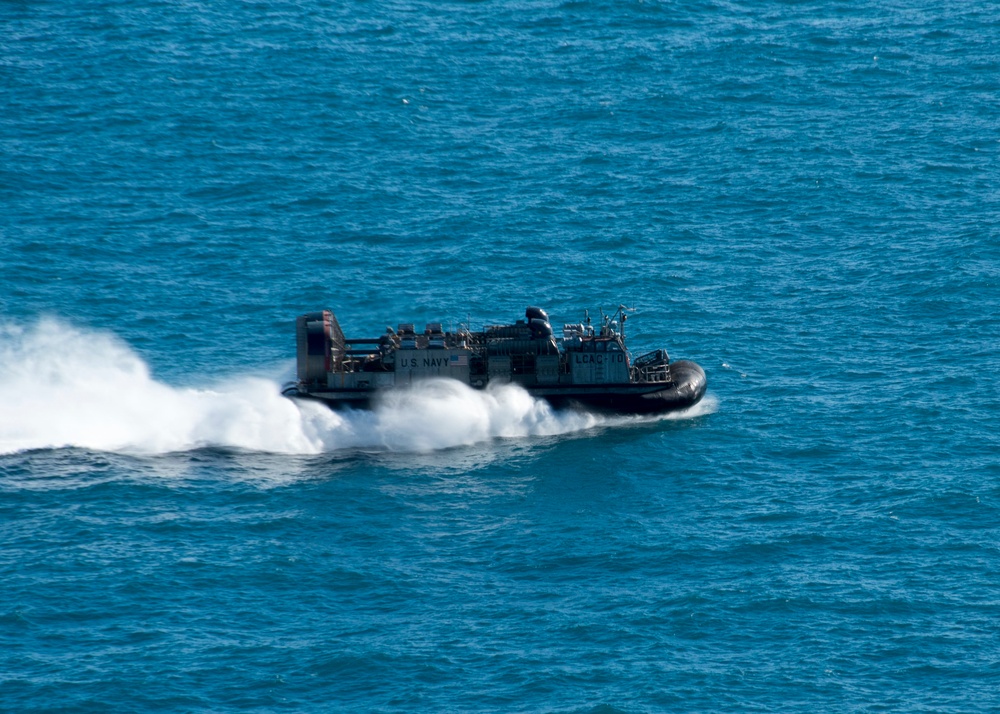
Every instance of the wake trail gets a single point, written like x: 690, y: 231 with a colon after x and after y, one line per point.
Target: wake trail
x: 61, y: 386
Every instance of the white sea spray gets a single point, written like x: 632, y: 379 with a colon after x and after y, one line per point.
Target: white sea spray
x: 62, y: 386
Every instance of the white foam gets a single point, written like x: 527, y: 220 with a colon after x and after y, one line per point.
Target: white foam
x: 709, y: 404
x: 61, y: 386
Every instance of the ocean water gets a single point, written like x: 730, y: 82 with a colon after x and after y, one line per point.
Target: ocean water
x: 801, y: 196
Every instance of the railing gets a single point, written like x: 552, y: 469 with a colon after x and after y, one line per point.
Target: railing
x: 652, y: 367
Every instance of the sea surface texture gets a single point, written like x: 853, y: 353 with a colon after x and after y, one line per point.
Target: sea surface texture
x: 801, y: 196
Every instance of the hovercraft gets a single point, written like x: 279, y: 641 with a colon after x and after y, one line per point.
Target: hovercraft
x: 588, y: 367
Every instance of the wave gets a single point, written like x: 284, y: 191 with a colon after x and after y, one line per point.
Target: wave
x: 61, y: 386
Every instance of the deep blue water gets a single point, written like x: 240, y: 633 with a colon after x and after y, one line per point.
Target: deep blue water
x: 801, y: 196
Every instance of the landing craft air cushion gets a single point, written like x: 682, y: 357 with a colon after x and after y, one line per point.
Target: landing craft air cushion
x: 586, y: 368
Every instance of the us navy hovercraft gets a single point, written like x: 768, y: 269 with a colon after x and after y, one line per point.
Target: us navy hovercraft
x: 588, y: 367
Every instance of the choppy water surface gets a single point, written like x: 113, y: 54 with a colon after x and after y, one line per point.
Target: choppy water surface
x: 799, y: 196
